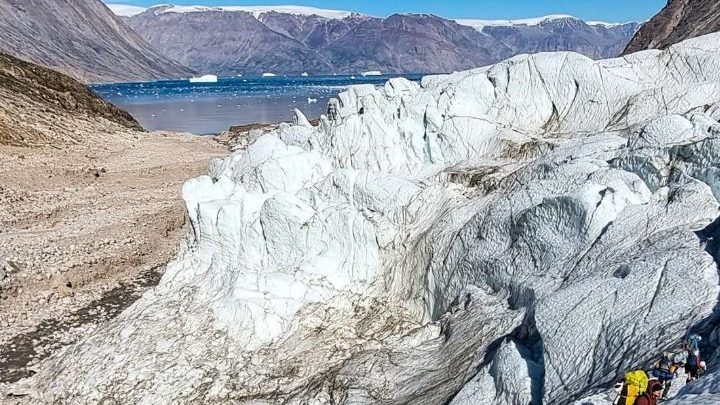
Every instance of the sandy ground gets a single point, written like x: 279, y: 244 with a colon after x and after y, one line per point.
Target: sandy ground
x: 83, y: 230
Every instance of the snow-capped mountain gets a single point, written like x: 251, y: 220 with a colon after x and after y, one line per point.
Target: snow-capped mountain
x: 293, y: 39
x: 480, y: 24
x: 129, y: 11
x: 80, y: 38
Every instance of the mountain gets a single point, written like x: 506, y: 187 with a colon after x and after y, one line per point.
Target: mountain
x: 39, y: 106
x: 402, y: 43
x: 596, y: 40
x: 679, y: 20
x: 522, y: 233
x: 294, y: 39
x: 81, y: 38
x: 237, y: 43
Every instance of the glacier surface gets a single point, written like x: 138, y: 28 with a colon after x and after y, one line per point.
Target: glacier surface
x: 519, y: 233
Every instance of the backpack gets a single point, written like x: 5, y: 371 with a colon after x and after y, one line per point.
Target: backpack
x: 694, y: 342
x: 663, y: 375
x: 637, y: 378
x: 634, y: 385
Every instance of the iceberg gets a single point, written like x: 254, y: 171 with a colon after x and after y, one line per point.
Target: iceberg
x: 522, y: 232
x: 305, y: 74
x: 204, y: 79
x: 372, y: 73
x: 269, y: 75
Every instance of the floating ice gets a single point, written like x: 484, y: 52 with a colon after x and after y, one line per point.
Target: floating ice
x: 204, y: 79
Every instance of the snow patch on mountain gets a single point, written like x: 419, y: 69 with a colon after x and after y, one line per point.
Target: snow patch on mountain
x: 256, y: 11
x: 125, y: 10
x: 479, y: 24
x: 607, y: 24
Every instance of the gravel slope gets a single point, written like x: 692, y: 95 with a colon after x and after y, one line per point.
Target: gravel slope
x: 90, y: 209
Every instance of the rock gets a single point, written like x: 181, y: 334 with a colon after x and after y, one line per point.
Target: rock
x: 516, y: 233
x: 40, y: 91
x: 9, y: 267
x: 678, y: 21
x: 62, y: 287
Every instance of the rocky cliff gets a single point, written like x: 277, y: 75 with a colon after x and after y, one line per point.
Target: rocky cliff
x: 39, y: 106
x: 520, y: 233
x: 679, y: 20
x: 237, y: 40
x: 83, y: 39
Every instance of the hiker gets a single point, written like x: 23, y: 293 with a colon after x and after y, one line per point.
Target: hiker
x: 693, y: 366
x: 651, y: 396
x: 665, y: 371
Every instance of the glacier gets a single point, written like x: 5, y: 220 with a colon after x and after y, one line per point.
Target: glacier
x: 519, y: 233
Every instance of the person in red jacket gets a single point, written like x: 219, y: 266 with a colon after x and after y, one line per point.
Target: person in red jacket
x: 654, y: 391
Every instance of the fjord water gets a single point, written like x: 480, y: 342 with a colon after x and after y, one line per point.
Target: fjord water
x: 211, y: 108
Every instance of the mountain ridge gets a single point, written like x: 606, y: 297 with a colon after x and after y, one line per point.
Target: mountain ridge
x: 321, y: 41
x: 131, y: 10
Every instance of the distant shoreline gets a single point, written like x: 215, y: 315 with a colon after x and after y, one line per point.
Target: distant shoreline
x: 212, y: 108
x: 93, y: 85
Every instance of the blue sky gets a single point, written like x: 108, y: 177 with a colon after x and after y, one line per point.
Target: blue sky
x: 606, y: 10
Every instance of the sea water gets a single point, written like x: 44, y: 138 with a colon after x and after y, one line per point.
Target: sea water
x: 211, y: 108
